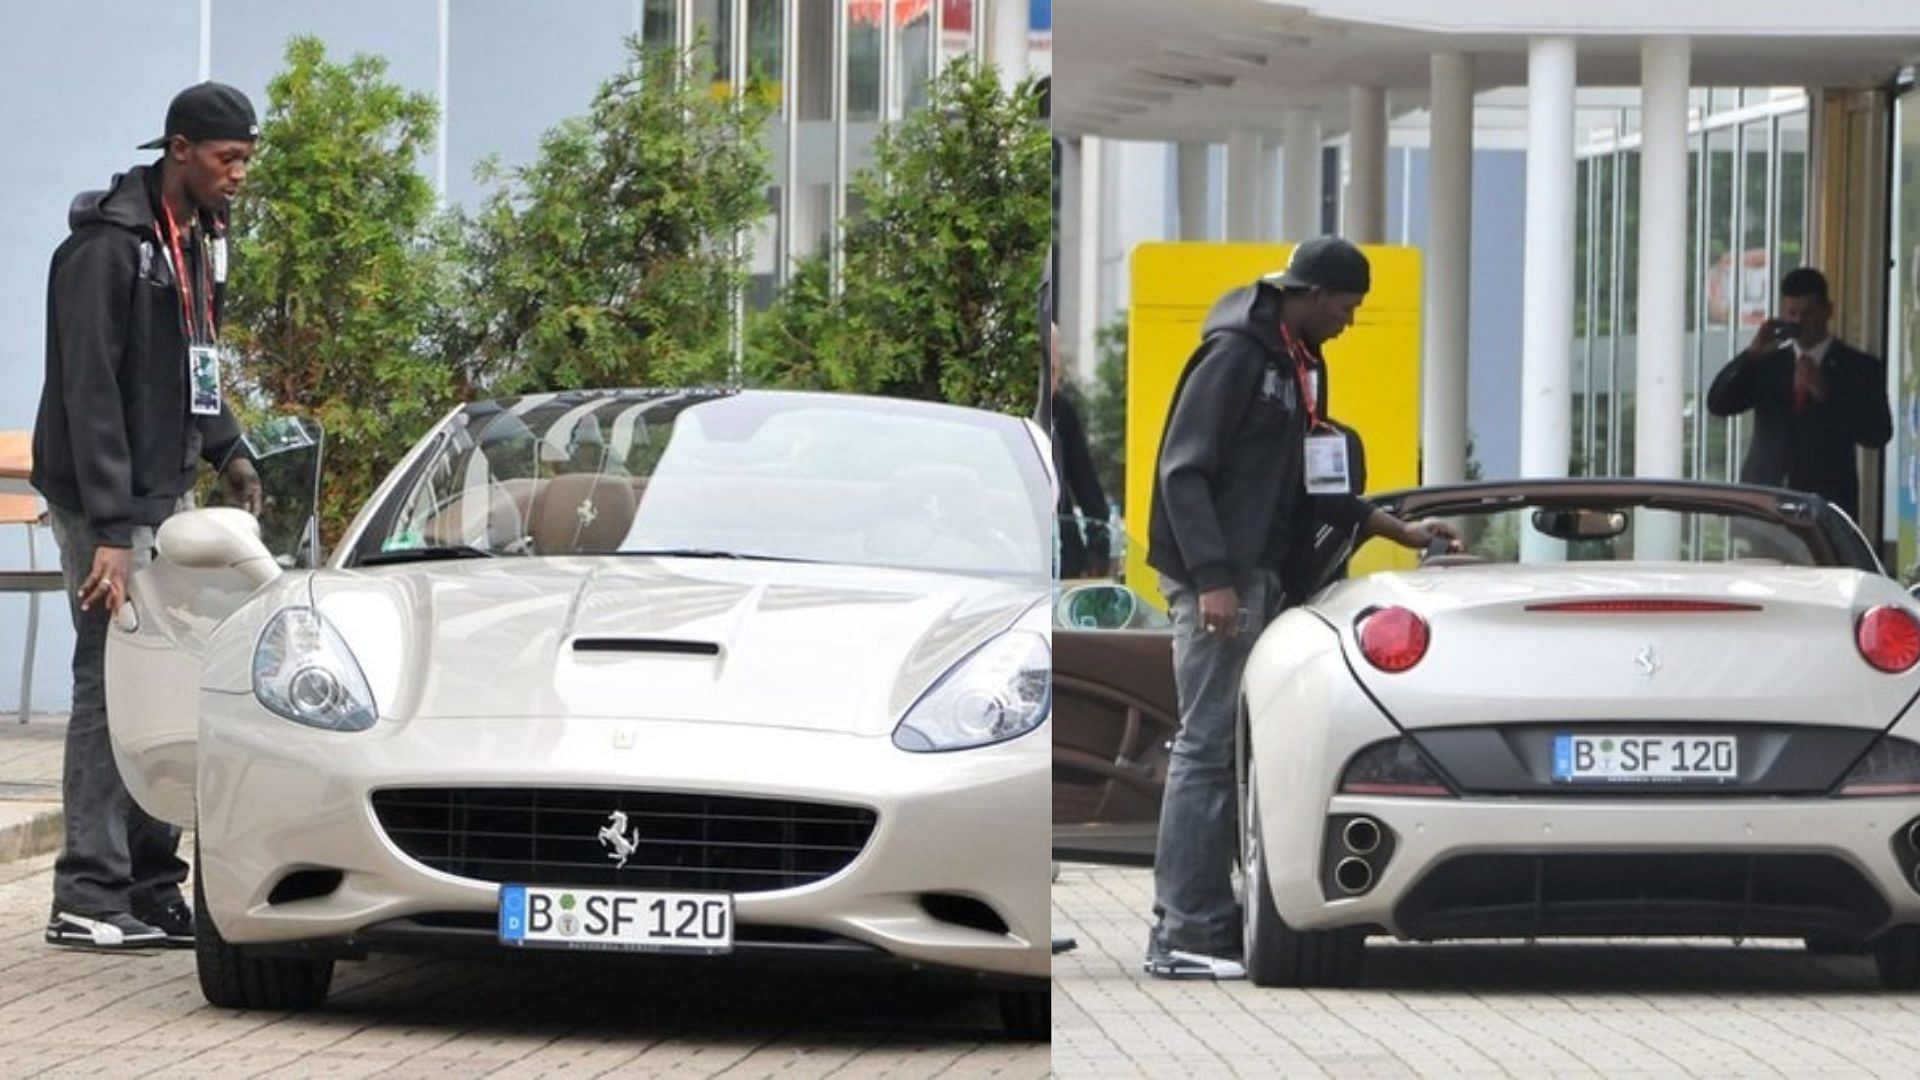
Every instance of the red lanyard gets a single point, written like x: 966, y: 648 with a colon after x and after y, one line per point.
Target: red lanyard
x: 1302, y: 361
x: 180, y: 277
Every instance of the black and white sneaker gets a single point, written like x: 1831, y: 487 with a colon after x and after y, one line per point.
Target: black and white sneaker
x: 1165, y: 963
x: 111, y: 930
x: 173, y: 919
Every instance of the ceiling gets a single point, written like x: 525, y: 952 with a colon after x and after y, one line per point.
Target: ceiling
x: 1195, y: 69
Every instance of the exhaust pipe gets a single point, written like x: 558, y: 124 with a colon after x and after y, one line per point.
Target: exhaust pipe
x: 1362, y: 835
x: 1353, y: 876
x: 1914, y: 878
x: 1913, y: 834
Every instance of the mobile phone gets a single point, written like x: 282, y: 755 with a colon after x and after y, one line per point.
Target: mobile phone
x: 1783, y: 330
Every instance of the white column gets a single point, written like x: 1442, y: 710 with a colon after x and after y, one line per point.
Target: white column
x: 206, y: 40
x: 1243, y: 184
x: 1547, y: 327
x: 1010, y: 18
x: 1662, y: 329
x: 1365, y: 220
x: 1443, y: 395
x: 1191, y: 172
x: 1546, y: 347
x: 443, y: 21
x: 1272, y: 181
x: 1300, y: 194
x: 1087, y: 284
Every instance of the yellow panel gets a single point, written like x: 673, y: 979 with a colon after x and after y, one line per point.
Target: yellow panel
x: 1373, y: 369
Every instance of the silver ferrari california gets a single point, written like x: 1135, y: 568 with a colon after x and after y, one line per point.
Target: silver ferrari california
x: 706, y: 673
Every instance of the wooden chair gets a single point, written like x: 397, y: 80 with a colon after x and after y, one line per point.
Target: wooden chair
x: 20, y: 506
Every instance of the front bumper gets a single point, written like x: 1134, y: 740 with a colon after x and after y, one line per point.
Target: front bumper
x: 276, y: 798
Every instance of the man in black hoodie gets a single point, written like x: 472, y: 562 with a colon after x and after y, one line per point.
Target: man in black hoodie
x: 1249, y: 466
x: 130, y: 404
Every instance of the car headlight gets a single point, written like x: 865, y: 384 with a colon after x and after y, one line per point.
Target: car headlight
x: 303, y: 671
x: 1002, y: 691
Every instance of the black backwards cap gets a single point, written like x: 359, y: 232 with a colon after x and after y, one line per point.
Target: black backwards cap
x: 1325, y: 262
x: 208, y: 110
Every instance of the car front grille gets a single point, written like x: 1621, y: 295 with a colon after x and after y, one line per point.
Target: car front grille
x: 671, y: 840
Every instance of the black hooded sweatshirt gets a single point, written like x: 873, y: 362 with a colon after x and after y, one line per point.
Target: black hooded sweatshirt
x: 115, y: 439
x: 1229, y: 493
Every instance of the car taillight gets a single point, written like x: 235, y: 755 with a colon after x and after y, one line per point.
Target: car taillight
x: 1391, y: 638
x: 1393, y: 767
x: 1892, y: 767
x: 1889, y: 638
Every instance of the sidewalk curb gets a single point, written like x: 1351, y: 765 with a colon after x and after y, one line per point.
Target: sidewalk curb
x: 28, y: 829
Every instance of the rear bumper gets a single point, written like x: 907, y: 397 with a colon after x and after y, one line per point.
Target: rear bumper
x: 1509, y: 868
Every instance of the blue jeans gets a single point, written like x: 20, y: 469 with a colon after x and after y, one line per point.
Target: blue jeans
x: 1194, y: 903
x: 116, y: 857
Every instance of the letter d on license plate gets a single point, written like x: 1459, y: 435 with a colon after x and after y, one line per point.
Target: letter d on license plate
x: 554, y: 917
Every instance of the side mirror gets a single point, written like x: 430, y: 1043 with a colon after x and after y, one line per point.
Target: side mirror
x: 1104, y: 607
x: 217, y: 538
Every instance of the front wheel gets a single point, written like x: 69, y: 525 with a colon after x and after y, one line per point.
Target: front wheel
x: 1896, y: 954
x: 1027, y: 1014
x: 1277, y: 954
x: 233, y: 979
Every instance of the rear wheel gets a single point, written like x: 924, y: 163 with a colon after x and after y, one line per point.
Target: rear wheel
x: 233, y: 979
x: 1027, y: 1014
x: 1277, y: 954
x: 1897, y: 954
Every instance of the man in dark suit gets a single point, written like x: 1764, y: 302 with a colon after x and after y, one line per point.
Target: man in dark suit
x: 1814, y: 398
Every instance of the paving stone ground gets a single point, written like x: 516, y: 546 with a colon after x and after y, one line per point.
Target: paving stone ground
x: 1614, y: 1009
x: 73, y: 1014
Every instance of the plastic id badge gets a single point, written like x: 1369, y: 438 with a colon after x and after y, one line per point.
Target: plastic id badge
x: 1327, y: 464
x: 203, y: 379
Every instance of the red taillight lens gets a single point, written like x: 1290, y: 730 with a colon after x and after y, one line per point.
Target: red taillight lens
x: 1889, y: 637
x: 1393, y: 767
x: 1391, y: 638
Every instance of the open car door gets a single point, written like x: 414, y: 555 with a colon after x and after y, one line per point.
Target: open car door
x: 1114, y: 717
x: 206, y: 563
x: 1115, y: 709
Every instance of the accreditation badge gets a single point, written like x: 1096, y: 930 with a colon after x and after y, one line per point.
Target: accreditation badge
x: 1327, y: 469
x: 203, y: 379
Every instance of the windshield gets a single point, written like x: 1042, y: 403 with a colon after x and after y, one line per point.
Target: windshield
x: 815, y: 478
x: 1611, y: 533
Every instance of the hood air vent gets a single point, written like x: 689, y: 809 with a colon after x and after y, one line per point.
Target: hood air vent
x: 645, y: 645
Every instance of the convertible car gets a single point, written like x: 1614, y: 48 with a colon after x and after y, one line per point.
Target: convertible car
x: 701, y: 673
x: 1628, y: 708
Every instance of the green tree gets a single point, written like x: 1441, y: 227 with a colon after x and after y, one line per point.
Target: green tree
x: 611, y: 259
x: 337, y: 283
x: 942, y: 266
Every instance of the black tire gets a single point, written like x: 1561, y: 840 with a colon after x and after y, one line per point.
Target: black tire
x: 1275, y: 953
x: 233, y: 979
x: 1027, y: 1014
x: 1897, y: 954
x: 1826, y: 945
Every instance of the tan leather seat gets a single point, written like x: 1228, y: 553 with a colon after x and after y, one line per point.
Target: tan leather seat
x: 581, y: 513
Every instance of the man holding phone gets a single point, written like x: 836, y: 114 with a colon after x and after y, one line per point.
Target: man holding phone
x: 1814, y: 398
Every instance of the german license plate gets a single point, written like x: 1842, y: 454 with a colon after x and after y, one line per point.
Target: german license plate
x: 551, y: 917
x: 1645, y: 758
